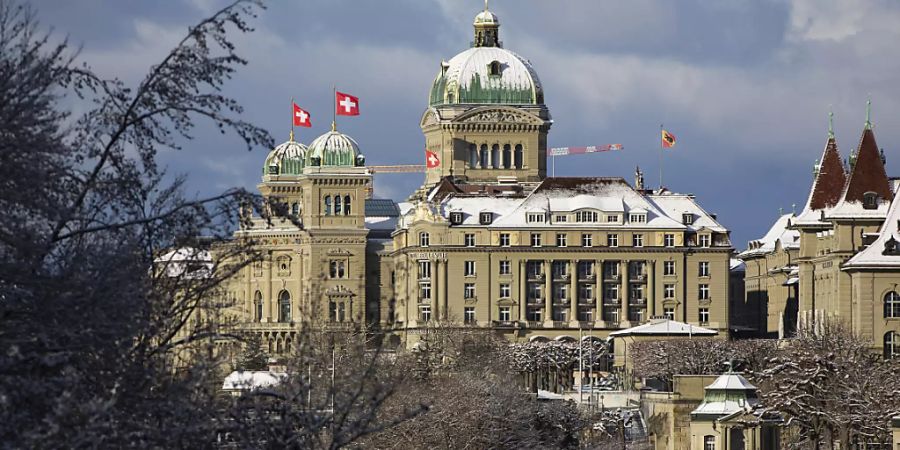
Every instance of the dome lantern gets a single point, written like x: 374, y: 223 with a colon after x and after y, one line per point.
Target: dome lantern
x: 487, y: 29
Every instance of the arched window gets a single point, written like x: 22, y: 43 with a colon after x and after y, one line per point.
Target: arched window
x: 295, y: 209
x: 346, y: 205
x: 473, y: 156
x: 258, y: 306
x: 337, y: 205
x: 495, y: 68
x: 891, y: 345
x: 507, y: 156
x: 709, y: 442
x: 284, y: 306
x: 519, y: 156
x: 484, y: 156
x: 327, y: 205
x: 495, y: 156
x: 892, y: 305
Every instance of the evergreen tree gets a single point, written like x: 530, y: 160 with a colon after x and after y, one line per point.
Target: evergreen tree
x: 253, y: 357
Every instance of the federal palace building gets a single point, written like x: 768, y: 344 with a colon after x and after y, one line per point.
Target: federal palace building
x: 488, y: 241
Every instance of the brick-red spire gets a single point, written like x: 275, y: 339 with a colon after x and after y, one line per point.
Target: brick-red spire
x: 868, y: 174
x: 830, y: 179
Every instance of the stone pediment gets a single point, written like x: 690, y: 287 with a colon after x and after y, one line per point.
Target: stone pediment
x: 339, y: 291
x: 494, y: 114
x: 430, y: 118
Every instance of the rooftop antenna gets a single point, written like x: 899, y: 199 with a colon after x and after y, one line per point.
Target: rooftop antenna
x: 485, y: 5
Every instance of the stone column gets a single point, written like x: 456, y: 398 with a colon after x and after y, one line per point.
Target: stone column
x: 573, y: 292
x: 651, y: 290
x: 523, y: 291
x: 623, y: 271
x: 548, y: 298
x: 598, y: 291
x: 436, y: 285
x: 270, y: 302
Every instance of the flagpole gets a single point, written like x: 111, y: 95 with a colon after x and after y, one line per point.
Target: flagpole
x: 292, y: 119
x: 660, y: 157
x: 333, y: 108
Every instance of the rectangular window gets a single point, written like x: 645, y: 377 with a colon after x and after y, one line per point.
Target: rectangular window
x: 704, y: 269
x: 535, y: 314
x: 709, y: 443
x: 469, y: 268
x: 669, y: 240
x: 425, y: 313
x: 535, y: 292
x: 561, y: 239
x: 560, y: 291
x: 586, y: 216
x: 505, y: 291
x: 470, y: 240
x: 668, y: 268
x: 611, y: 292
x: 705, y: 240
x: 585, y: 269
x: 505, y: 314
x: 535, y: 217
x: 636, y: 293
x: 424, y: 239
x: 669, y: 313
x: 425, y: 291
x: 587, y: 240
x: 561, y: 219
x: 637, y: 218
x: 559, y: 269
x: 469, y: 290
x: 424, y: 270
x: 668, y: 291
x: 637, y: 240
x: 704, y: 316
x: 505, y: 268
x: 535, y: 239
x: 703, y: 292
x: 610, y: 270
x: 612, y: 240
x: 534, y: 269
x: 504, y: 239
x: 585, y: 293
x: 469, y: 315
x: 611, y: 315
x: 612, y: 219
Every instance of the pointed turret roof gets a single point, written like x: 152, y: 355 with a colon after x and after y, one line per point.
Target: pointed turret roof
x: 830, y: 179
x: 868, y: 174
x: 827, y: 187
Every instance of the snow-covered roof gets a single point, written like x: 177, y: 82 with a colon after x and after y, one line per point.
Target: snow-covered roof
x: 855, y: 210
x: 878, y: 255
x: 251, y: 380
x: 736, y: 265
x: 730, y: 393
x: 675, y: 205
x: 779, y: 232
x: 472, y: 206
x: 665, y: 327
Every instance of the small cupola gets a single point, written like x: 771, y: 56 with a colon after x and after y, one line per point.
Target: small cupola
x: 487, y: 29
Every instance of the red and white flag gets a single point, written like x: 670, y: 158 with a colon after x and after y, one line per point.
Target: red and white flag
x: 431, y: 159
x: 301, y: 117
x: 346, y: 104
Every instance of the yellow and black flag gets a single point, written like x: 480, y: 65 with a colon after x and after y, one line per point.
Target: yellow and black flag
x: 668, y: 139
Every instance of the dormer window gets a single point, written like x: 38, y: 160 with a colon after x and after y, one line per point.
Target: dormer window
x: 687, y: 218
x: 456, y: 217
x: 494, y: 68
x: 870, y: 200
x: 637, y: 218
x: 586, y: 216
x: 485, y: 218
x: 535, y: 217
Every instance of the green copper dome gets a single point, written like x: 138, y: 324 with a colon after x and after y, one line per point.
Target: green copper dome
x: 286, y: 159
x: 486, y: 73
x: 334, y: 149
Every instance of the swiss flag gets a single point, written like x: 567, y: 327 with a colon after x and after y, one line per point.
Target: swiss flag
x: 431, y: 159
x: 301, y: 117
x: 346, y: 104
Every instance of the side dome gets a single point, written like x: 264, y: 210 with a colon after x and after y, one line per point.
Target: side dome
x: 288, y: 158
x: 334, y: 149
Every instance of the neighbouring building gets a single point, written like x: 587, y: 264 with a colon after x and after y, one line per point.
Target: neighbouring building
x: 726, y: 418
x: 845, y: 215
x: 771, y: 282
x: 488, y: 241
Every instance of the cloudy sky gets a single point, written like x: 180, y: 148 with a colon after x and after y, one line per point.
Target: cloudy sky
x: 745, y: 85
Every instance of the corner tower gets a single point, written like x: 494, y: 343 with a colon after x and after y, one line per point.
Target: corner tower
x: 486, y: 117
